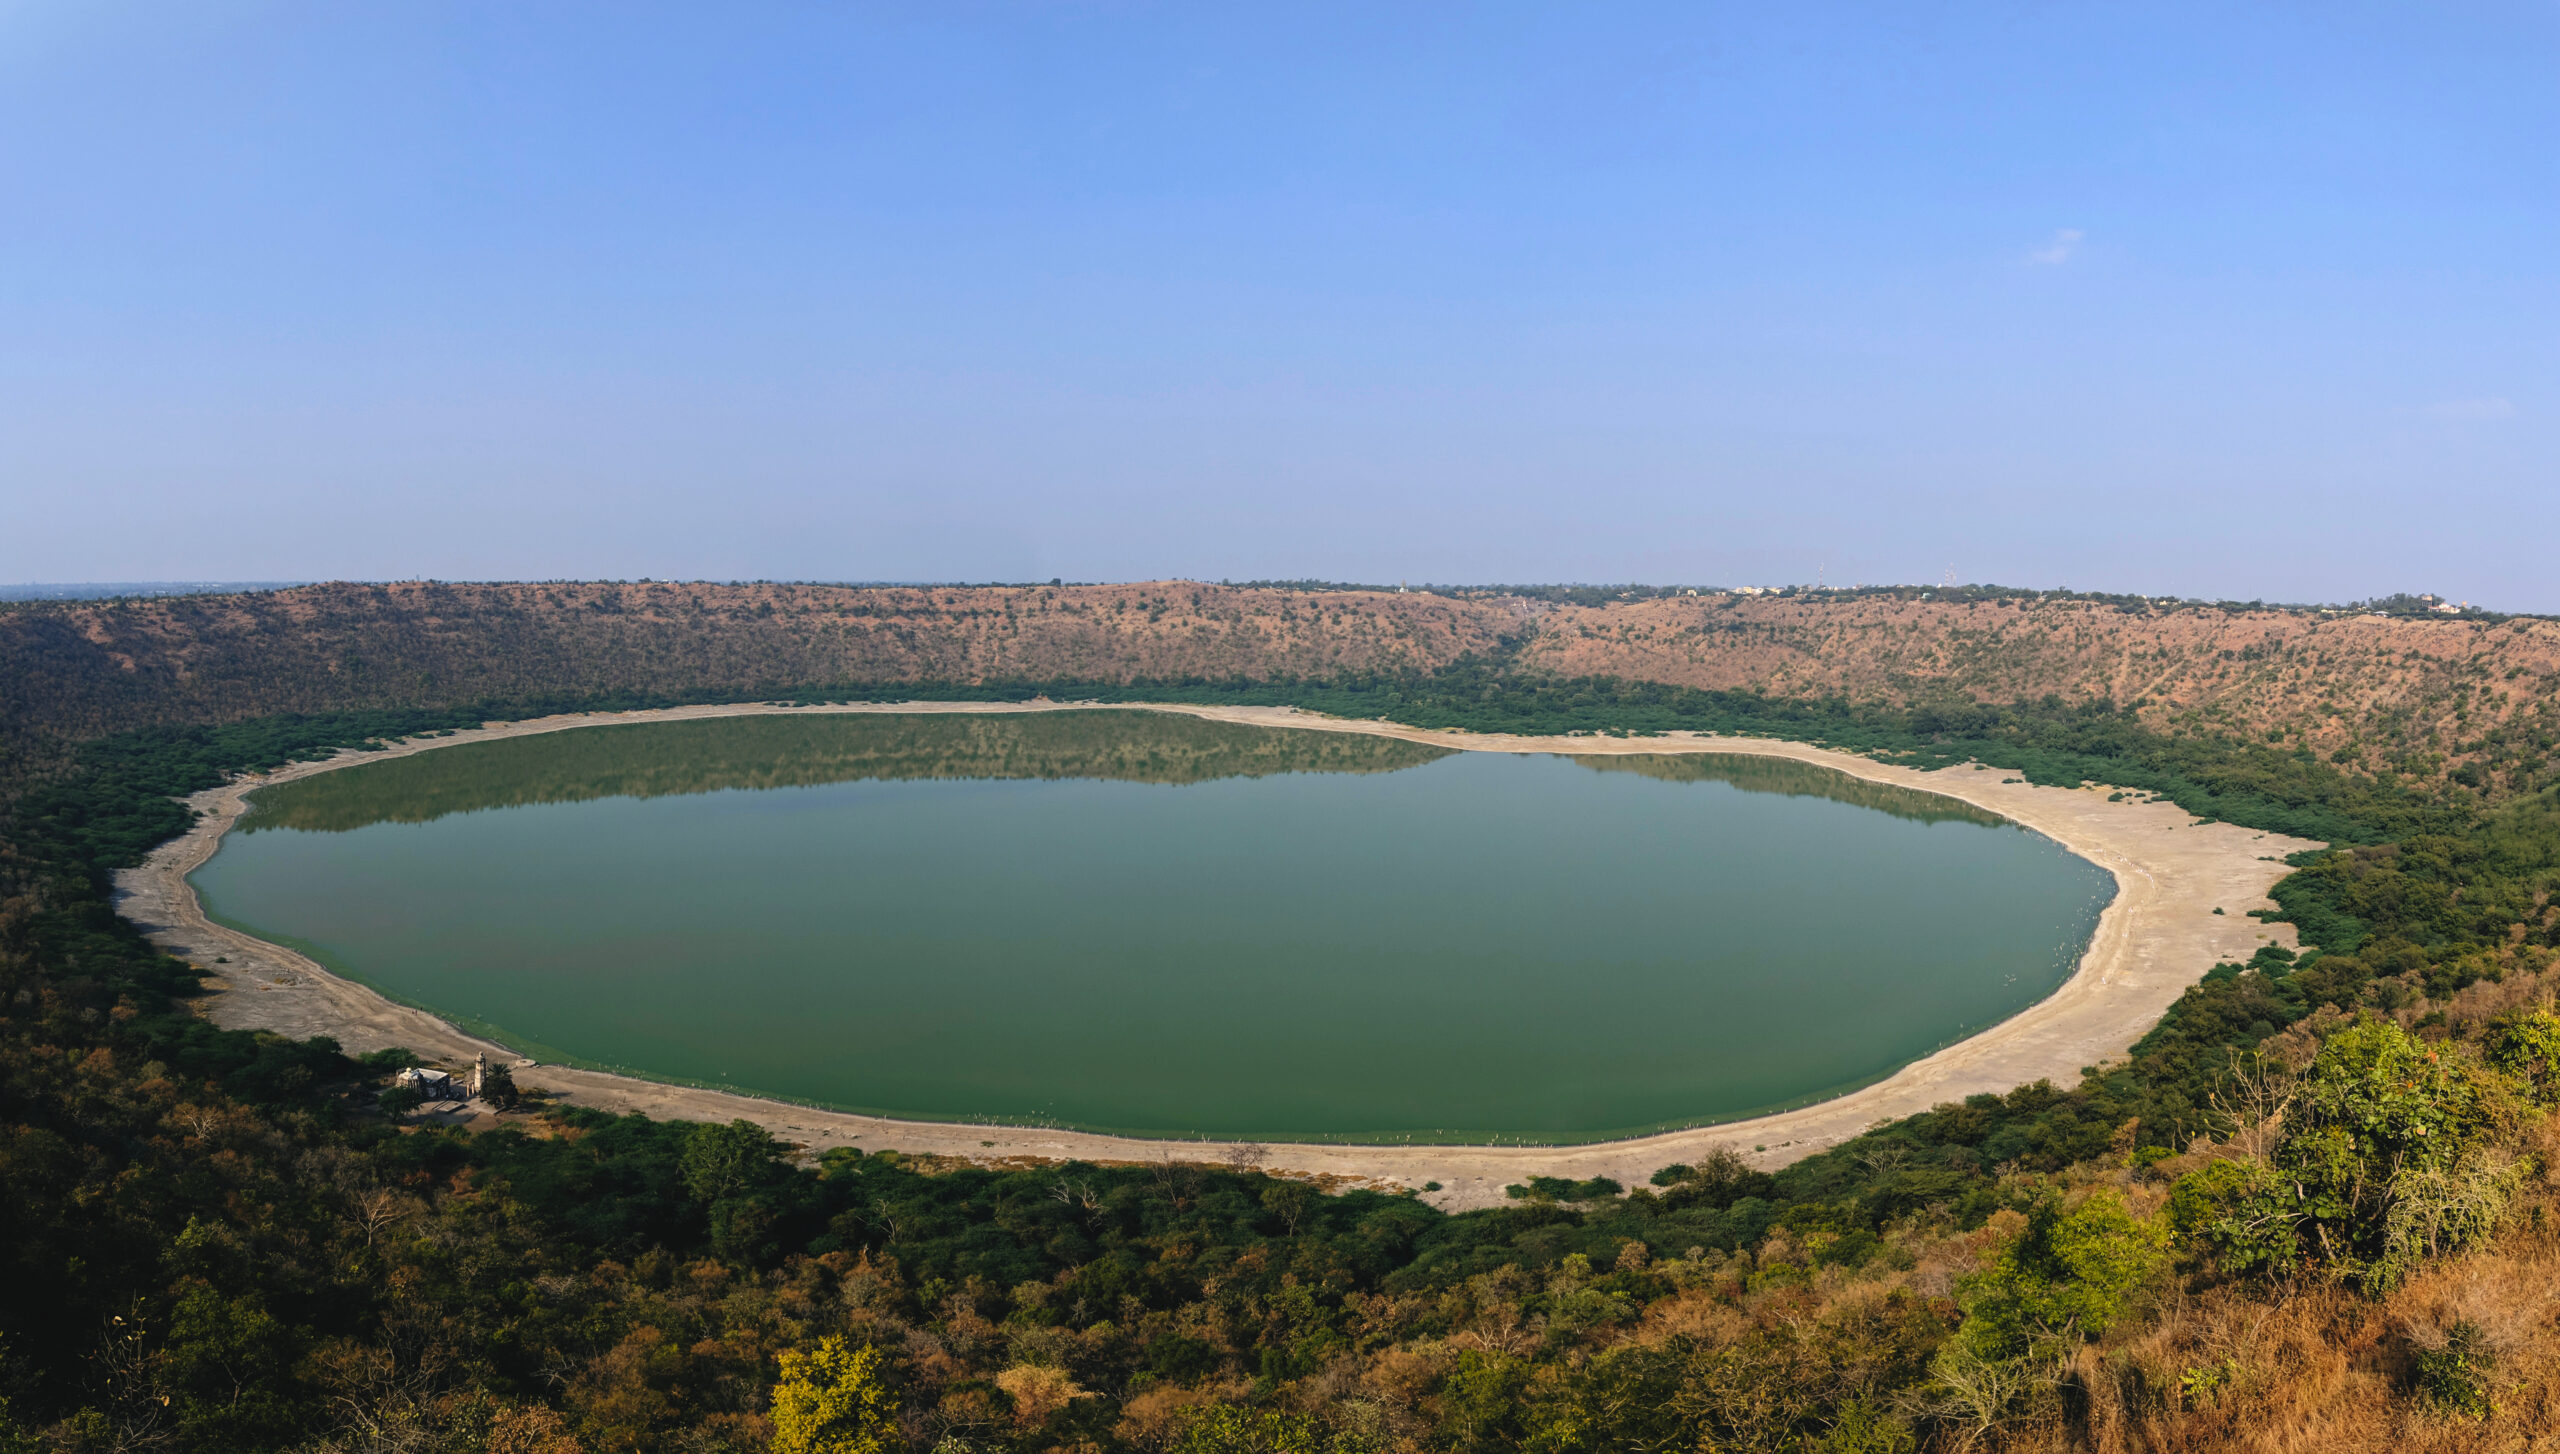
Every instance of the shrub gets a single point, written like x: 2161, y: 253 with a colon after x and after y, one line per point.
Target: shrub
x: 2452, y: 1368
x: 2526, y: 1045
x: 2390, y: 1152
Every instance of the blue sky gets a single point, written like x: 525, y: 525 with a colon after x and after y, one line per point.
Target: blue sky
x: 2219, y: 300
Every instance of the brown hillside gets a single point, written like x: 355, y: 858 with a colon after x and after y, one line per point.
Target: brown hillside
x: 2381, y: 687
x: 95, y: 666
x: 2428, y: 695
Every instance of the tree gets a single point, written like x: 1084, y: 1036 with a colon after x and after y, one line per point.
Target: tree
x: 830, y: 1401
x: 498, y: 1088
x: 1038, y: 1393
x: 1233, y: 1429
x: 726, y: 1161
x: 1975, y: 1393
x: 2069, y: 1275
x: 1289, y: 1201
x: 400, y: 1100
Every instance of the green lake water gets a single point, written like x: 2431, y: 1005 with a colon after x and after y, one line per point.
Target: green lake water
x: 1149, y: 923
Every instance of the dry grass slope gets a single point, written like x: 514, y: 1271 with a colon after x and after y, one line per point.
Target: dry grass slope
x: 2372, y: 686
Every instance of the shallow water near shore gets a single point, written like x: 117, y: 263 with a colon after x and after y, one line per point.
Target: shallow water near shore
x: 1153, y: 924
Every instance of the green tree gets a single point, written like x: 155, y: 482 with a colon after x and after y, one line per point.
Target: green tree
x: 726, y: 1161
x: 498, y: 1088
x: 230, y: 1366
x: 1289, y: 1201
x: 1235, y: 1429
x: 2068, y: 1276
x: 1480, y: 1401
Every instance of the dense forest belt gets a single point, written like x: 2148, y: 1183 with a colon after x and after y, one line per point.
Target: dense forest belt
x: 2154, y: 941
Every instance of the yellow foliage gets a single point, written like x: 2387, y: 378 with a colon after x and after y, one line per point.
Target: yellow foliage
x: 1037, y: 1392
x: 830, y: 1401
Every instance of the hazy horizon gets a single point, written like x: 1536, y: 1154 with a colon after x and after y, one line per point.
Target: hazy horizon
x: 107, y: 590
x: 2181, y: 300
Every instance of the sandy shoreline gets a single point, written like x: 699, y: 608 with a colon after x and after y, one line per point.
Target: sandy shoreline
x: 2158, y: 937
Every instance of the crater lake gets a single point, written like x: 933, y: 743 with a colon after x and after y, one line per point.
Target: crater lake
x: 1150, y: 923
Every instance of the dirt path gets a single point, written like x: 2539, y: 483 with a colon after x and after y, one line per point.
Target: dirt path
x: 2158, y: 937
